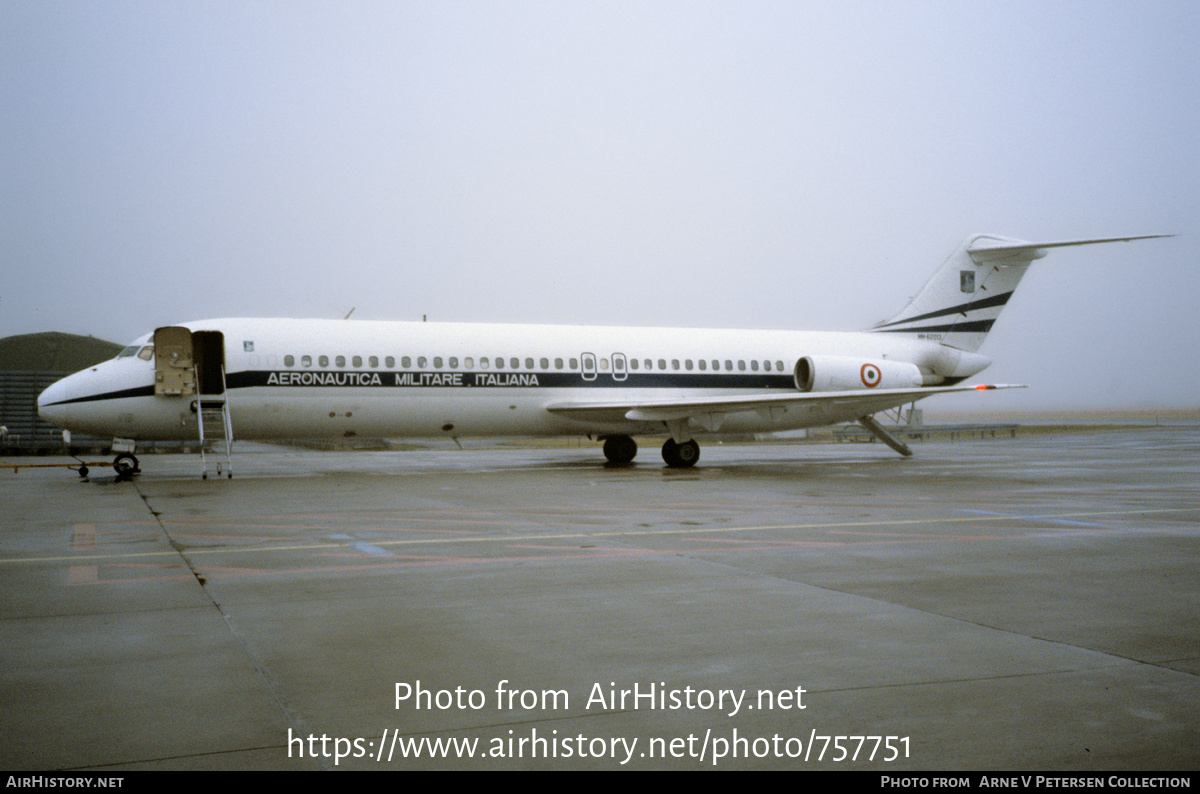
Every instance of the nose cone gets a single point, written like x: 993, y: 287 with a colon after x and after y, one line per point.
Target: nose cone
x: 51, y: 402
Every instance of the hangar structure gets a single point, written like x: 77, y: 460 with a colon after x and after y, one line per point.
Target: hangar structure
x: 28, y: 364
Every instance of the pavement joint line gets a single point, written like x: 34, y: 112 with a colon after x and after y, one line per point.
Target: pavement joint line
x: 588, y: 535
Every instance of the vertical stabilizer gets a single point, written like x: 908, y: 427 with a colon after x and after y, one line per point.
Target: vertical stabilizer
x: 959, y: 305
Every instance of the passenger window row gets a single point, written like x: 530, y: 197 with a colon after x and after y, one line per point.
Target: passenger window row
x: 704, y: 365
x: 425, y: 362
x: 498, y: 362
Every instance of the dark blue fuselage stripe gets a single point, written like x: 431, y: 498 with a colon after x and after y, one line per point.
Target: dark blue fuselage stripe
x: 507, y: 379
x: 139, y: 391
x: 986, y: 303
x: 633, y: 380
x: 974, y: 325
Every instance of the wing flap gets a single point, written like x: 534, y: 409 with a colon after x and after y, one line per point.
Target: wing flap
x: 709, y: 411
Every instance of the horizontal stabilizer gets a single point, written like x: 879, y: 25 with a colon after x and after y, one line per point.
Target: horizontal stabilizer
x: 985, y: 249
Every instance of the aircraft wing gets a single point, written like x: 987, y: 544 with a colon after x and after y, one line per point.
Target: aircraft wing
x: 709, y: 412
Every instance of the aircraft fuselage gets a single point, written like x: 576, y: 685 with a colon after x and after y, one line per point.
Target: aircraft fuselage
x: 331, y: 378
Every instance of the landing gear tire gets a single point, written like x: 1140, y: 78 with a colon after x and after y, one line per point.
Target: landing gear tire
x: 126, y: 465
x: 620, y: 450
x: 681, y: 456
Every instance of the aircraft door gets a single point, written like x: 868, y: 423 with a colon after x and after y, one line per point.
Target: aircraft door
x: 174, y: 366
x: 589, y: 366
x: 209, y: 352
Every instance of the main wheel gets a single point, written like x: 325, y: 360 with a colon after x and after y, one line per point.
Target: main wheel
x: 620, y: 449
x: 681, y: 456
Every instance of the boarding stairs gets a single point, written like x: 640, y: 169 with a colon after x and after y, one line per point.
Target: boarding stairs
x: 213, y: 422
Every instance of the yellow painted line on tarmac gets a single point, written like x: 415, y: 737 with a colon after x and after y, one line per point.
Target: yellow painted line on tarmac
x: 618, y: 533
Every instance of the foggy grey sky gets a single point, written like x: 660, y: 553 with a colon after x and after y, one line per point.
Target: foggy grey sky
x: 750, y: 164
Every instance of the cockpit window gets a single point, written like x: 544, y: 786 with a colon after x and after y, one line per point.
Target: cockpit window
x: 146, y: 353
x: 127, y: 352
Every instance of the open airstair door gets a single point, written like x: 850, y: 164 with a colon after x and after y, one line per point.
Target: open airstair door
x: 174, y: 365
x: 193, y: 363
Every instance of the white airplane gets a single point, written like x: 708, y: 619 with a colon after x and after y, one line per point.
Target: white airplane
x: 280, y: 379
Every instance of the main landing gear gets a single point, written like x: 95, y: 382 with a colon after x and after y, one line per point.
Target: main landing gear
x: 681, y: 456
x: 621, y: 450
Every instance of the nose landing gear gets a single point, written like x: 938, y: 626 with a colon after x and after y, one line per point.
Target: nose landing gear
x: 126, y: 465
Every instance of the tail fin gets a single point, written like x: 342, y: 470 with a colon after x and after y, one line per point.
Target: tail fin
x: 958, y: 306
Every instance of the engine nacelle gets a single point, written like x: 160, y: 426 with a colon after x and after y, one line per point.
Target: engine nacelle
x: 845, y: 373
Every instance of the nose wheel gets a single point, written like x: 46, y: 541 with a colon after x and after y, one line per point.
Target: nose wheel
x: 126, y: 465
